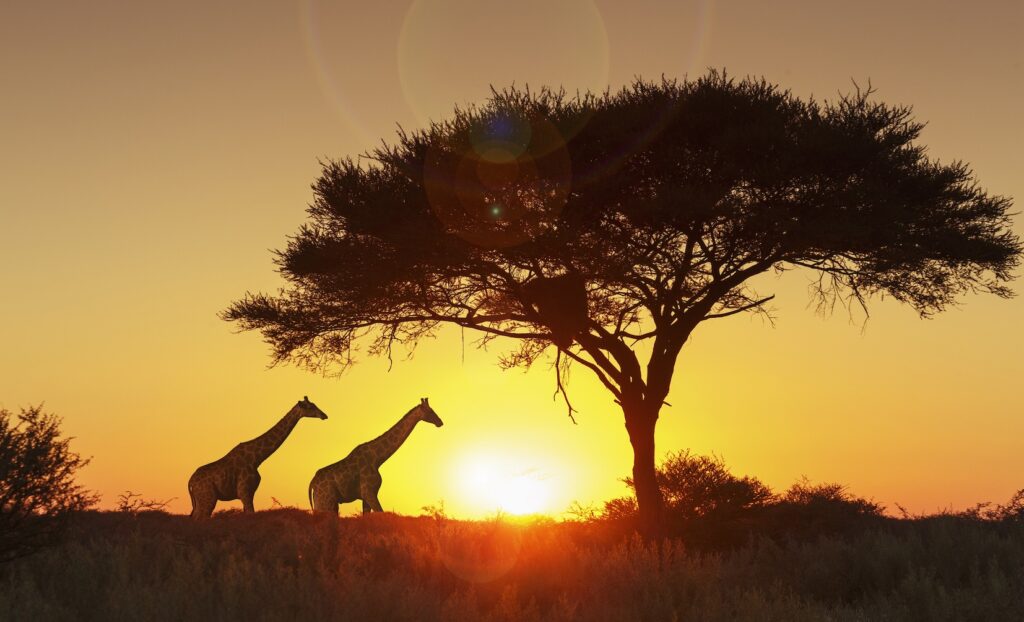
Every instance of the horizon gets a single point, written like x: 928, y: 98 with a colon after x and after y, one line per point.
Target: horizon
x: 153, y: 159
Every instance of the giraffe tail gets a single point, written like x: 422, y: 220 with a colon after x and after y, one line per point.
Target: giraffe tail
x: 192, y: 496
x: 310, y: 493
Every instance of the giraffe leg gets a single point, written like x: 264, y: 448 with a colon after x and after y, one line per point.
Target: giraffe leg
x: 322, y: 497
x: 373, y: 503
x: 203, y: 501
x: 202, y: 493
x: 247, y: 485
x: 368, y: 488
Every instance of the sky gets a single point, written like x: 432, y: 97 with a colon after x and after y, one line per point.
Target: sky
x: 152, y: 155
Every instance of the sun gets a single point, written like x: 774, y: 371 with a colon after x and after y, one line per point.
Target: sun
x: 503, y: 484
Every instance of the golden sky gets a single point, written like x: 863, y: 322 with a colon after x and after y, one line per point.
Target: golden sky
x: 150, y: 156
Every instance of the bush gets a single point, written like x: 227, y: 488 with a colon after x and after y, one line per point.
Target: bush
x: 698, y: 487
x: 37, y: 487
x: 808, y: 509
x: 1011, y: 511
x: 709, y: 507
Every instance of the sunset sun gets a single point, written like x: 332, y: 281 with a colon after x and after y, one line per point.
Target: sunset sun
x: 492, y: 483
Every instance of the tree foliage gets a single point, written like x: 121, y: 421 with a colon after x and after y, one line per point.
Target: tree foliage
x: 661, y: 201
x: 677, y: 194
x: 38, y: 492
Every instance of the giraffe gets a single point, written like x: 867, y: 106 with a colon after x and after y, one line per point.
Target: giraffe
x: 357, y: 475
x: 235, y: 476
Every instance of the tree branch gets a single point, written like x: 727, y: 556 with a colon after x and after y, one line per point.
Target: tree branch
x: 560, y: 386
x: 616, y: 391
x: 747, y: 307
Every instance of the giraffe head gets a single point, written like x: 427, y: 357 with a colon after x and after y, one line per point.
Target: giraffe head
x: 427, y: 413
x: 306, y: 408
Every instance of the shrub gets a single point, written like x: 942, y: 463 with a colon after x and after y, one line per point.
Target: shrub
x: 697, y: 487
x: 808, y: 509
x: 704, y: 502
x: 37, y: 487
x: 1011, y: 511
x: 709, y: 507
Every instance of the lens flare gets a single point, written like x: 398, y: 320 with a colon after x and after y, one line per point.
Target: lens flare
x: 453, y: 51
x: 447, y: 52
x: 331, y: 40
x: 501, y: 182
x: 479, y: 553
x: 501, y: 137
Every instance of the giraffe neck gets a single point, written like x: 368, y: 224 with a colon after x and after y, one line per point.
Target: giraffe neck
x: 267, y: 443
x: 385, y: 445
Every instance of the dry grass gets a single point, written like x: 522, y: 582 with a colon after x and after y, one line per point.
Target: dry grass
x: 289, y: 565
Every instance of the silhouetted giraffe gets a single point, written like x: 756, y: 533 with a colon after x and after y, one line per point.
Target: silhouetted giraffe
x: 235, y: 476
x: 357, y: 475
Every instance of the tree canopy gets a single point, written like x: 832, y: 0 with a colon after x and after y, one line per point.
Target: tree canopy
x: 591, y: 223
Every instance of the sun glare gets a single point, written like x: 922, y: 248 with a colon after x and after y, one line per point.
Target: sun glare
x: 502, y: 484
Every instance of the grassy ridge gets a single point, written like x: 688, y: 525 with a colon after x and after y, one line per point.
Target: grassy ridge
x: 288, y: 564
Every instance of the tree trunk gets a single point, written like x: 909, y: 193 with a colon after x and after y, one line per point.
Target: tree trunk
x: 640, y: 423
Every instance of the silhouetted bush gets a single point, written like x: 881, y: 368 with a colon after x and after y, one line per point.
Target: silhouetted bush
x: 1011, y: 511
x: 37, y: 487
x: 702, y: 487
x: 133, y: 503
x: 709, y: 507
x: 807, y: 510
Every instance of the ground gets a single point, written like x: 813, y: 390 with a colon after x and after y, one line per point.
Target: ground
x: 290, y: 565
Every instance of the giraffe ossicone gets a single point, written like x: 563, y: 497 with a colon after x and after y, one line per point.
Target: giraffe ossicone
x: 236, y: 475
x: 357, y: 475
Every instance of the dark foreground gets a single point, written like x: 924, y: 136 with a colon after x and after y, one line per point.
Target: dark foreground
x: 289, y: 565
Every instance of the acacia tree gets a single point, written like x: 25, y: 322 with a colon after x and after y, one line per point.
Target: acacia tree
x: 606, y: 228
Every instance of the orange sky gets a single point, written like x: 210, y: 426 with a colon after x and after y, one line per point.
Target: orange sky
x: 151, y: 156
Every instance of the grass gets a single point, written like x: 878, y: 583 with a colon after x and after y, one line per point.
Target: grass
x: 289, y: 565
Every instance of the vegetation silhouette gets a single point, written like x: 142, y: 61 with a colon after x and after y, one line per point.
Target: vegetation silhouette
x: 236, y: 475
x: 290, y: 564
x: 663, y: 199
x: 710, y: 508
x: 132, y: 503
x: 357, y: 475
x: 38, y: 493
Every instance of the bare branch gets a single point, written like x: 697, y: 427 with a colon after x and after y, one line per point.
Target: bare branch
x: 560, y: 384
x: 747, y: 307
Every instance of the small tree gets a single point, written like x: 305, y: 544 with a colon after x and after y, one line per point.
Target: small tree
x: 37, y: 488
x: 593, y: 225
